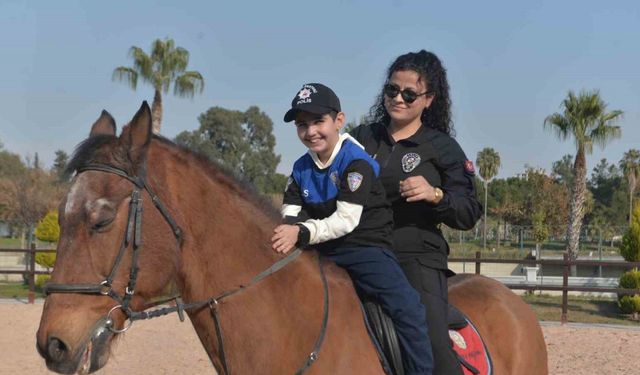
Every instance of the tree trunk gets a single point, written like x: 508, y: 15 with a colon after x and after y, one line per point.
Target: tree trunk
x: 630, y: 205
x: 576, y: 213
x: 632, y: 188
x: 484, y: 223
x: 156, y: 112
x: 498, y: 234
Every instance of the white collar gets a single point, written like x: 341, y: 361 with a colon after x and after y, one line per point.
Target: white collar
x: 336, y: 149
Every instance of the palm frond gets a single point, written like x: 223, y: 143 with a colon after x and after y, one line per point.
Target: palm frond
x: 142, y: 63
x: 558, y: 124
x: 123, y: 73
x: 187, y: 84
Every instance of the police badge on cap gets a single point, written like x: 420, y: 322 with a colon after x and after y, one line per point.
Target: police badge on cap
x: 314, y: 98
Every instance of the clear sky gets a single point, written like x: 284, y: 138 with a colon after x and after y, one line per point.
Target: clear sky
x: 510, y: 64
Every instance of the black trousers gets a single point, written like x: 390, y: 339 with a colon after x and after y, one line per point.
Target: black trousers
x: 375, y: 272
x: 431, y: 284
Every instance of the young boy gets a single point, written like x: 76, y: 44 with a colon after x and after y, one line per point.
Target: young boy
x: 335, y: 201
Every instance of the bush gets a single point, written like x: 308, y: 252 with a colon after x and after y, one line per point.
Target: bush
x: 47, y: 260
x: 41, y: 279
x: 630, y: 304
x: 48, y: 229
x: 630, y: 246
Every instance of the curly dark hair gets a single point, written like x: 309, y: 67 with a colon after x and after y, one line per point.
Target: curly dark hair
x: 430, y: 69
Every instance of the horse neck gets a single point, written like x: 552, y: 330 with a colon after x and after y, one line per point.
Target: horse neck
x: 226, y: 244
x: 226, y: 232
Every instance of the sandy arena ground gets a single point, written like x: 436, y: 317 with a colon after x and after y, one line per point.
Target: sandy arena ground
x: 166, y: 346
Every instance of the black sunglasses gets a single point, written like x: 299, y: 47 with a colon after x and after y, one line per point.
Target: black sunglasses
x: 408, y: 95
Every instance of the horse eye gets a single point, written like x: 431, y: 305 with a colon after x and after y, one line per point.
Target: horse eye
x: 102, y: 224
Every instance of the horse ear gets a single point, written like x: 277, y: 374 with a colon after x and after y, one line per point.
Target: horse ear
x: 104, y: 125
x: 137, y: 134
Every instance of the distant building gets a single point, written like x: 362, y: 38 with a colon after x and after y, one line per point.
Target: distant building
x: 4, y: 229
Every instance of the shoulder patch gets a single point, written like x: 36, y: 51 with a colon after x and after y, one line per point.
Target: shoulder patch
x: 468, y: 167
x: 354, y: 180
x: 334, y: 178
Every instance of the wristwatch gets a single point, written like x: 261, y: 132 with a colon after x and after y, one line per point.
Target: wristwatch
x: 303, y: 236
x: 439, y: 194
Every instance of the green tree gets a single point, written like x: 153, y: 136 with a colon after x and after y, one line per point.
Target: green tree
x: 488, y: 162
x: 630, y: 165
x: 60, y: 164
x: 241, y: 141
x: 630, y: 246
x: 28, y: 198
x: 609, y: 202
x: 544, y: 199
x: 562, y: 171
x: 10, y: 164
x: 586, y: 120
x: 166, y: 65
x: 10, y: 168
x: 353, y: 124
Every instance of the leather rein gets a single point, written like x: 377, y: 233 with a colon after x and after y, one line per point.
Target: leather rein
x: 133, y: 237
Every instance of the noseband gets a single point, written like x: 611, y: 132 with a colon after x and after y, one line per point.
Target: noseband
x: 133, y: 237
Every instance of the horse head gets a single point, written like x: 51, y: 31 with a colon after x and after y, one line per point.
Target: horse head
x: 101, y: 223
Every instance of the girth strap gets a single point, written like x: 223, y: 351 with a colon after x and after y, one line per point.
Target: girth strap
x: 323, y: 329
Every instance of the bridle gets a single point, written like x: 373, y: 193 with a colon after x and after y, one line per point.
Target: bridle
x: 133, y: 237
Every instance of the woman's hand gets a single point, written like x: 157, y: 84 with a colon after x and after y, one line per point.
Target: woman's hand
x: 285, y: 238
x: 416, y: 189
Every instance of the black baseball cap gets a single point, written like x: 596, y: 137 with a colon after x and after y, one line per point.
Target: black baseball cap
x: 314, y: 98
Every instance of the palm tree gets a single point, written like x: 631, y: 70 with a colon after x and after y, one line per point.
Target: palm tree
x: 630, y: 164
x: 167, y: 64
x: 585, y: 119
x: 488, y: 161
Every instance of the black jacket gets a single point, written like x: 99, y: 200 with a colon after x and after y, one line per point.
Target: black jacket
x: 440, y: 160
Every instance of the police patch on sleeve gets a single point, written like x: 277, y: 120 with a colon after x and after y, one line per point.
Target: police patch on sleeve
x: 410, y: 161
x: 354, y: 180
x: 468, y: 167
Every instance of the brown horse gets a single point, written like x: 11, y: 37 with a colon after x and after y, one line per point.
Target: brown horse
x: 208, y: 238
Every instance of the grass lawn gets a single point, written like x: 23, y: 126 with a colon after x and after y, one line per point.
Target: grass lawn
x: 16, y: 243
x: 580, y: 309
x: 10, y: 243
x: 17, y: 290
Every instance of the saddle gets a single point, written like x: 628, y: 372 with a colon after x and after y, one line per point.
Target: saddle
x: 466, y: 341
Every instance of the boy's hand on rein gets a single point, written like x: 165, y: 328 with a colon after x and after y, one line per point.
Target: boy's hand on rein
x: 285, y: 238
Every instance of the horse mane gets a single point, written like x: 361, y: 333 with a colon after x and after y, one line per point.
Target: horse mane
x: 86, y: 152
x: 91, y: 151
x: 226, y: 176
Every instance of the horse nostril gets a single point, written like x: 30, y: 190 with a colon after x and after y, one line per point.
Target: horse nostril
x: 56, y: 349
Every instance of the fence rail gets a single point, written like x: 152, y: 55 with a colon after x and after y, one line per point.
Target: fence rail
x: 30, y: 273
x: 566, y: 263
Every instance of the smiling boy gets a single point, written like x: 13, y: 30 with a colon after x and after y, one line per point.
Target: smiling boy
x: 334, y: 200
